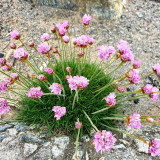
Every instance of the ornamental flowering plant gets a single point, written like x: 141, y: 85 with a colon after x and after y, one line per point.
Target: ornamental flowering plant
x: 70, y: 92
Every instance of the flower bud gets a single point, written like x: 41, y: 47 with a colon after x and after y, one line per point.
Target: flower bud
x: 118, y: 55
x: 53, y: 30
x: 12, y: 45
x: 31, y: 44
x: 68, y: 69
x: 78, y: 125
x: 15, y: 76
x: 128, y: 74
x: 2, y: 61
x: 121, y: 89
x: 7, y: 66
x: 42, y: 77
x: 67, y: 77
x: 65, y: 39
x: 136, y: 64
x: 80, y: 54
x: 149, y: 119
x: 55, y: 50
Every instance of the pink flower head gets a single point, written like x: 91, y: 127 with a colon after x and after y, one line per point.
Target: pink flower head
x: 123, y: 47
x: 69, y: 69
x: 15, y: 75
x: 90, y: 40
x: 4, y: 108
x: 77, y: 82
x: 21, y: 54
x: 111, y: 100
x: 9, y: 80
x: 7, y: 66
x: 81, y: 54
x: 65, y: 39
x: 44, y: 48
x: 3, y: 87
x: 74, y: 40
x: 127, y: 57
x: 42, y: 77
x: 105, y: 52
x: 86, y: 19
x: 135, y: 121
x: 136, y: 64
x: 154, y: 148
x: 153, y: 95
x: 45, y: 36
x: 12, y: 45
x: 156, y: 68
x: 48, y: 70
x: 62, y: 31
x: 78, y: 125
x: 104, y: 141
x: 35, y: 92
x: 2, y: 61
x: 134, y: 76
x: 147, y: 88
x: 15, y: 34
x: 121, y: 89
x: 65, y: 24
x: 82, y: 41
x: 56, y: 88
x: 59, y: 111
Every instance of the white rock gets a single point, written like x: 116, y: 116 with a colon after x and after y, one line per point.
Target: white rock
x: 12, y: 132
x: 7, y: 140
x: 87, y: 157
x: 56, y: 151
x: 119, y: 147
x: 61, y: 142
x: 29, y: 149
x: 141, y: 146
x: 126, y: 143
x: 79, y: 155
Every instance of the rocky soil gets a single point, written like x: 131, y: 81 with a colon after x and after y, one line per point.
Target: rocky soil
x: 139, y: 25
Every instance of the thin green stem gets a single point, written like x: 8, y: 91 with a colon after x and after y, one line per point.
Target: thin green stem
x: 91, y: 121
x: 77, y: 144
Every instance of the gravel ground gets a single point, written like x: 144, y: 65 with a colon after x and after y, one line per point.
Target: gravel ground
x: 139, y: 25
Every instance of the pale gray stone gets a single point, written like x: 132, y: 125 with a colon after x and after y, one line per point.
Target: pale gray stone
x: 7, y: 140
x: 29, y: 149
x: 12, y: 132
x: 61, y: 142
x: 141, y: 146
x: 79, y: 155
x: 119, y: 147
x: 57, y: 151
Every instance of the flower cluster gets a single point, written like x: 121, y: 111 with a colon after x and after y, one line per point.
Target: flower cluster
x: 56, y: 88
x: 2, y: 61
x: 125, y: 51
x: 77, y: 82
x: 86, y: 19
x: 45, y: 36
x: 134, y: 76
x: 3, y: 86
x: 35, y: 92
x: 59, y: 111
x: 105, y: 52
x: 135, y: 121
x: 78, y: 125
x: 104, y: 141
x: 4, y: 108
x: 48, y: 70
x: 154, y: 148
x: 156, y: 68
x: 44, y: 48
x: 21, y: 54
x: 62, y: 28
x: 15, y: 34
x: 7, y: 66
x: 83, y: 41
x: 111, y: 99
